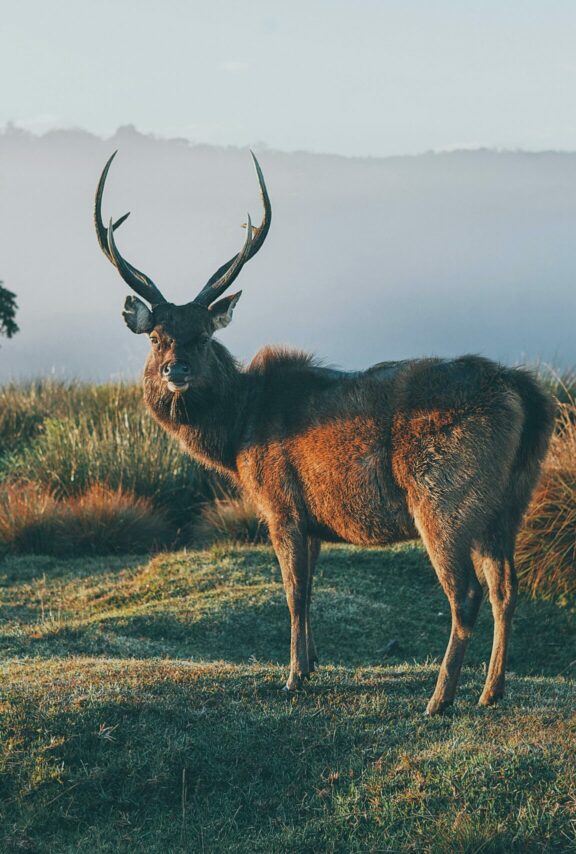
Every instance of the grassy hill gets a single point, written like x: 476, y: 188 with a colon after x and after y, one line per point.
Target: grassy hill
x: 141, y: 710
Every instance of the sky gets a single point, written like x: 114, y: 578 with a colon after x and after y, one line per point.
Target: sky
x: 352, y: 77
x: 446, y: 254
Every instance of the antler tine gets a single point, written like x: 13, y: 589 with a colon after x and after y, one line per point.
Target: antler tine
x: 209, y: 293
x: 138, y: 281
x: 101, y: 230
x: 219, y: 281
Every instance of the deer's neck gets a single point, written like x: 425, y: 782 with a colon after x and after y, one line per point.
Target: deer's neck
x: 208, y: 420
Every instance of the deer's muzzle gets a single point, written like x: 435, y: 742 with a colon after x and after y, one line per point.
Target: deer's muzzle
x: 176, y: 375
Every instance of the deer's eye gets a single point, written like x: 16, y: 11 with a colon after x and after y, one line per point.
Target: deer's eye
x: 154, y: 341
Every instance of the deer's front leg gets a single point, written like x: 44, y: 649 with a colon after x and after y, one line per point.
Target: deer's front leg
x: 291, y: 547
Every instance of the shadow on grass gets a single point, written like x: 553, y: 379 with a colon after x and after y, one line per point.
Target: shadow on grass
x: 21, y: 569
x: 114, y: 755
x: 232, y: 608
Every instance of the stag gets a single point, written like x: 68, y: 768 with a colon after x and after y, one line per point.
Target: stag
x: 449, y: 450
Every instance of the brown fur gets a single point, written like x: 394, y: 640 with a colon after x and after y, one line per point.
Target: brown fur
x: 450, y: 450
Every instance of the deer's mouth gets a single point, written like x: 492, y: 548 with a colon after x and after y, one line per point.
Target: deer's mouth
x: 179, y: 387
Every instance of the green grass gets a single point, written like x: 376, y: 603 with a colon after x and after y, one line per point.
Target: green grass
x: 141, y: 710
x: 25, y: 407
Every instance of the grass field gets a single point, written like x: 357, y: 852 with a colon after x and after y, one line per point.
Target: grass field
x: 141, y: 710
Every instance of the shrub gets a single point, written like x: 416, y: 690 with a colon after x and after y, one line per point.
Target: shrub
x: 546, y: 552
x: 100, y: 521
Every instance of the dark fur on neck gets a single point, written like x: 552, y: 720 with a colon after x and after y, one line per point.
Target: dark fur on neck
x: 208, y: 418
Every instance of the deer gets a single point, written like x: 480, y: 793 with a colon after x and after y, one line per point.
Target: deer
x: 448, y: 450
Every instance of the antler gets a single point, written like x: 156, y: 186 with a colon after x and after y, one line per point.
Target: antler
x: 138, y: 281
x: 222, y: 278
x: 255, y: 237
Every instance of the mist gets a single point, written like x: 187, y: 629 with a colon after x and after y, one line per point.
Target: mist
x: 367, y: 258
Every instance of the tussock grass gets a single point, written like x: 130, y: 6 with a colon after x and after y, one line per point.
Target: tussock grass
x: 229, y: 518
x: 100, y: 521
x: 120, y: 450
x: 546, y: 551
x: 71, y: 438
x: 141, y: 710
x: 562, y: 384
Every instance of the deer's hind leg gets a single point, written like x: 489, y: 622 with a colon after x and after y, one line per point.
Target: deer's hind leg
x: 313, y: 551
x: 494, y: 559
x: 453, y: 564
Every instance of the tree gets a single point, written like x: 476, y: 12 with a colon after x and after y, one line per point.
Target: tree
x: 8, y: 306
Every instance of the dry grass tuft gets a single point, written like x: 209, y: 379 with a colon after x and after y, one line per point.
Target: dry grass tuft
x: 231, y: 519
x: 546, y: 552
x: 100, y: 521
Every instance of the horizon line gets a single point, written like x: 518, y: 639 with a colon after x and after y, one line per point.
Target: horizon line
x: 12, y: 127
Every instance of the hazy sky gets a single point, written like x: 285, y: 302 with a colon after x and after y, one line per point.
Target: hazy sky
x: 347, y: 76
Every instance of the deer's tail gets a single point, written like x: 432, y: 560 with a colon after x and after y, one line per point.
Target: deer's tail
x: 539, y: 416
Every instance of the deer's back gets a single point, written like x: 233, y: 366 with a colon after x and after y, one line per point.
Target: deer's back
x: 354, y: 454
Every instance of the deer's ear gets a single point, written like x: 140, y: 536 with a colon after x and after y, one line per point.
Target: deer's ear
x: 222, y: 310
x: 137, y: 316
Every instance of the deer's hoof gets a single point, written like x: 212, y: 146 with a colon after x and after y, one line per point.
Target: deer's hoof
x: 490, y: 698
x: 437, y: 707
x: 296, y: 682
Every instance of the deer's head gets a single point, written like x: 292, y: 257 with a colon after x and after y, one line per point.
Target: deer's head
x: 180, y: 335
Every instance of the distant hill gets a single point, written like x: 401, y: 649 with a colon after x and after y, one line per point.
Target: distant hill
x: 367, y: 258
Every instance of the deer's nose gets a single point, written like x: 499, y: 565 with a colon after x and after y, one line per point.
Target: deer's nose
x: 176, y: 371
